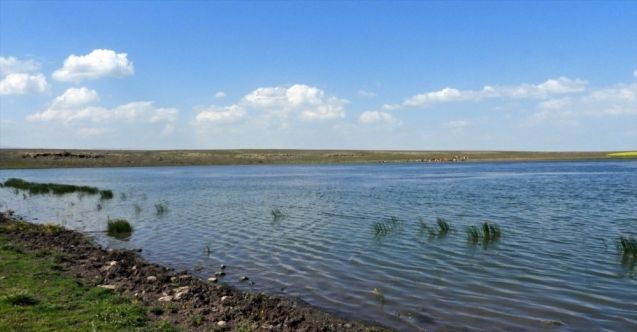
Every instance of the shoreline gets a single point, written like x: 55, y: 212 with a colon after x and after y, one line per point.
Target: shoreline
x: 59, y: 158
x: 221, y: 307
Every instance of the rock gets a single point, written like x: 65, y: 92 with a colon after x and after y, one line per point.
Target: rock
x: 166, y: 298
x: 222, y: 266
x: 244, y: 278
x: 224, y: 298
x: 221, y: 323
x: 212, y: 279
x: 111, y: 287
x: 180, y: 292
x: 220, y: 273
x: 151, y: 279
x: 173, y: 279
x: 185, y: 277
x: 348, y: 326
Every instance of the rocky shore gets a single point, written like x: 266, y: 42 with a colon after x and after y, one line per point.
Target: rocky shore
x: 217, y: 307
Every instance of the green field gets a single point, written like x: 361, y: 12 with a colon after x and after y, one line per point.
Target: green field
x: 38, y: 158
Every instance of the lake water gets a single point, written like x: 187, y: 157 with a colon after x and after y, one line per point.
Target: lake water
x: 556, y: 266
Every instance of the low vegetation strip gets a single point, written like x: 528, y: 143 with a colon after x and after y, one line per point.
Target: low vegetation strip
x: 627, y: 154
x: 115, y: 290
x: 39, y: 158
x: 35, y: 188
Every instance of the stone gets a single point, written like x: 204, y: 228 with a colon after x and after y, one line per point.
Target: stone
x: 224, y: 298
x: 184, y: 277
x: 166, y: 298
x: 244, y: 278
x: 212, y: 279
x: 110, y: 287
x: 180, y: 292
x: 220, y: 273
x: 221, y: 323
x: 222, y: 266
x: 151, y: 279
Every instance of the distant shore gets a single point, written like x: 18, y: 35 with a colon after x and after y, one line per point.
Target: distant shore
x: 58, y: 158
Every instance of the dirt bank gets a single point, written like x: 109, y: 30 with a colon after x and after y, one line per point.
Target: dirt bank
x: 190, y: 303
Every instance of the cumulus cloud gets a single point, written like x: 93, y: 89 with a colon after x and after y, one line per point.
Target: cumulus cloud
x: 377, y: 117
x: 99, y: 63
x: 18, y: 77
x: 10, y: 65
x: 22, y: 84
x: 551, y: 87
x: 214, y: 114
x: 220, y: 94
x: 617, y: 100
x: 310, y: 103
x: 78, y: 106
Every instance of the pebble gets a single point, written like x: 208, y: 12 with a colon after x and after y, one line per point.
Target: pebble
x: 220, y: 273
x: 212, y: 279
x: 166, y: 298
x: 173, y: 279
x: 244, y: 278
x: 224, y: 298
x: 180, y: 292
x: 184, y: 277
x: 348, y: 326
x: 111, y: 287
x: 222, y: 266
x: 151, y: 279
x: 221, y: 323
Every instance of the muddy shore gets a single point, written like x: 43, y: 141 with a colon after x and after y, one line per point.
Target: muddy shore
x: 221, y: 307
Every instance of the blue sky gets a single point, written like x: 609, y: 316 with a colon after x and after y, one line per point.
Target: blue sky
x: 370, y: 75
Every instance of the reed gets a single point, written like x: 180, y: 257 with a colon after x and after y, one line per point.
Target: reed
x: 119, y: 228
x: 276, y: 214
x: 442, y: 229
x: 486, y: 233
x: 382, y: 229
x: 627, y: 246
x: 161, y: 208
x: 35, y: 188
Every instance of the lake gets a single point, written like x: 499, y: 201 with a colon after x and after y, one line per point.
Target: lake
x: 556, y: 266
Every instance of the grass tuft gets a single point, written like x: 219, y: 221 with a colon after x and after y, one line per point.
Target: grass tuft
x: 486, y: 233
x: 276, y: 214
x: 21, y: 300
x: 161, y: 208
x: 627, y: 246
x: 35, y: 188
x: 119, y: 228
x: 382, y: 229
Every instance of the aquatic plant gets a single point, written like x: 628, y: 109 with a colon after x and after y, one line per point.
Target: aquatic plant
x: 161, y: 208
x: 382, y: 229
x: 99, y: 207
x: 55, y: 188
x: 119, y: 228
x: 627, y: 246
x: 442, y: 229
x: 486, y: 233
x: 137, y: 209
x: 276, y: 214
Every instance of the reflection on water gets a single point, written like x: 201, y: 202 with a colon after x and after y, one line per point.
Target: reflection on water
x: 312, y: 232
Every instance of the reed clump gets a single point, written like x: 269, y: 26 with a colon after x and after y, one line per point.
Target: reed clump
x: 627, y: 246
x: 119, y: 228
x: 161, y: 208
x: 486, y: 233
x: 276, y: 214
x: 441, y: 229
x: 35, y: 188
x: 382, y: 229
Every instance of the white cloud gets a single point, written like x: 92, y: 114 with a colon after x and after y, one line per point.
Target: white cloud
x: 11, y: 65
x: 98, y: 63
x: 456, y: 124
x: 214, y: 114
x: 376, y: 117
x: 551, y: 87
x: 220, y: 94
x: 22, y: 83
x: 367, y: 94
x: 309, y: 103
x: 77, y: 106
x: 18, y: 77
x: 635, y: 73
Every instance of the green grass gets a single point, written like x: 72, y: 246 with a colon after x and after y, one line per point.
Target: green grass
x: 443, y: 228
x: 486, y: 233
x: 627, y: 154
x: 35, y: 295
x: 119, y: 228
x: 35, y: 188
x: 382, y: 229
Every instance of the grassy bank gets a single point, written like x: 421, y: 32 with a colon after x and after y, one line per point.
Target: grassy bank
x: 36, y: 295
x: 37, y: 158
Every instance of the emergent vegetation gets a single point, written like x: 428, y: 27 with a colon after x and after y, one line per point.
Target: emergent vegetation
x: 119, y: 228
x: 55, y: 188
x: 486, y: 233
